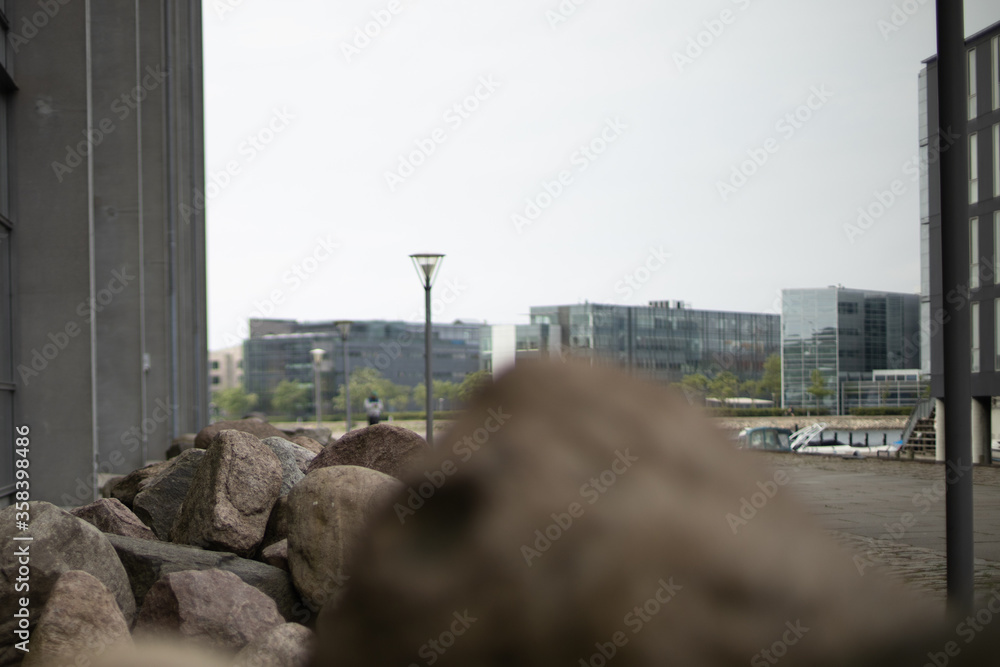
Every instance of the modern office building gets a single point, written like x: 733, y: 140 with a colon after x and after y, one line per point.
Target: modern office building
x: 665, y: 340
x: 102, y: 270
x: 225, y: 368
x: 845, y: 335
x: 280, y: 350
x: 502, y: 345
x: 981, y: 235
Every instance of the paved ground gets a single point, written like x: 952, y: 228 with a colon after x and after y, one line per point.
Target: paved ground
x: 892, y: 513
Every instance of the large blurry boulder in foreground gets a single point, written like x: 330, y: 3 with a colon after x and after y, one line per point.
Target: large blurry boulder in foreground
x: 382, y: 447
x: 61, y: 542
x: 287, y: 645
x: 131, y: 484
x: 110, y: 515
x: 230, y: 498
x: 147, y: 562
x: 574, y: 515
x: 161, y: 496
x: 81, y: 620
x: 212, y: 607
x: 254, y: 426
x: 327, y: 512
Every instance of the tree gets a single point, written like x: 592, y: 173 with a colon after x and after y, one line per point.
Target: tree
x: 442, y: 389
x: 723, y: 386
x: 291, y: 398
x: 234, y: 402
x: 696, y: 383
x: 364, y: 382
x: 473, y: 384
x: 752, y: 389
x: 818, y: 387
x: 770, y: 384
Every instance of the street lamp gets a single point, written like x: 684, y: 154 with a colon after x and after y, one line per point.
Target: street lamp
x: 427, y: 266
x: 344, y: 327
x: 317, y: 354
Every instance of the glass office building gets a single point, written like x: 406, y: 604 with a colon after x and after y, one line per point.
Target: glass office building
x: 845, y: 335
x: 665, y: 340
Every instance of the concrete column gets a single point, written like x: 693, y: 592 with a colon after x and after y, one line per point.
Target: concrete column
x: 938, y: 429
x: 981, y: 446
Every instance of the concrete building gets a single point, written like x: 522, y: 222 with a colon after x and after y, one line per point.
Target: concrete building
x: 502, y: 345
x: 846, y: 335
x: 982, y: 235
x: 665, y: 340
x: 102, y: 265
x: 225, y: 368
x: 279, y: 350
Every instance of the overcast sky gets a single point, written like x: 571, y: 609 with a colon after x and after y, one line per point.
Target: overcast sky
x: 333, y: 155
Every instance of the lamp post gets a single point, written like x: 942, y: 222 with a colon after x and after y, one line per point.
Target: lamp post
x: 427, y: 266
x: 344, y: 327
x: 317, y: 354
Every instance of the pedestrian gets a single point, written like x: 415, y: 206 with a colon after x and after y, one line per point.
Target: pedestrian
x: 373, y: 406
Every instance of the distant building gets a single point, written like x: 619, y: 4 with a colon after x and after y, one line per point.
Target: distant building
x: 279, y: 350
x: 501, y: 345
x: 845, y: 334
x: 225, y: 368
x: 665, y: 341
x: 103, y: 349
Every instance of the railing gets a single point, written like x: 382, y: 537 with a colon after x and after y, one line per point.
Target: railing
x: 922, y: 410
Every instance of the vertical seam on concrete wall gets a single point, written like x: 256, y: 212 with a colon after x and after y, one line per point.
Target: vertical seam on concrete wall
x: 144, y: 373
x: 172, y: 282
x: 91, y: 251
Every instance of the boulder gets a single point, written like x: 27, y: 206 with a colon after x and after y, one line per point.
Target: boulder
x: 107, y: 482
x: 312, y: 445
x: 287, y: 645
x: 159, y: 501
x: 126, y: 488
x: 327, y: 512
x: 181, y: 444
x: 256, y: 427
x: 320, y: 435
x: 231, y: 495
x: 110, y: 515
x: 383, y: 447
x: 211, y: 607
x: 61, y: 542
x: 294, y: 461
x: 146, y: 562
x: 276, y: 555
x: 80, y: 619
x: 277, y: 523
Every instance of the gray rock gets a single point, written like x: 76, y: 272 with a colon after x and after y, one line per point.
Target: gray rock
x: 312, y: 445
x: 110, y: 515
x: 126, y: 488
x: 383, y: 447
x: 162, y: 495
x: 146, y: 562
x: 256, y: 427
x: 287, y: 645
x: 320, y: 435
x: 231, y: 496
x: 107, y: 482
x: 327, y: 512
x: 294, y: 459
x: 81, y: 618
x: 212, y: 607
x: 277, y: 523
x: 61, y: 542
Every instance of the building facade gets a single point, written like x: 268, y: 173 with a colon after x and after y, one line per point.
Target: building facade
x: 502, y: 345
x: 665, y: 341
x: 280, y: 350
x: 844, y: 335
x: 102, y: 268
x: 225, y: 368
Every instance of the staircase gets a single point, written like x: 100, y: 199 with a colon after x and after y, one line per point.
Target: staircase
x: 922, y: 440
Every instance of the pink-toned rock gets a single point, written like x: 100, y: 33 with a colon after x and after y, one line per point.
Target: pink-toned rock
x: 109, y: 515
x: 287, y: 645
x: 276, y: 555
x: 256, y: 427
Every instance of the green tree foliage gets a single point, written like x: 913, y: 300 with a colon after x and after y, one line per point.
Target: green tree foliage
x: 234, y: 402
x: 770, y: 384
x: 365, y: 381
x: 752, y: 389
x: 472, y: 384
x: 724, y: 385
x: 291, y: 398
x: 445, y: 389
x: 696, y: 383
x: 818, y: 387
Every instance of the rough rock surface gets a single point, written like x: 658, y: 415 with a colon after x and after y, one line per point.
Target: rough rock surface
x: 277, y: 523
x: 231, y: 496
x: 212, y: 607
x: 110, y: 515
x: 276, y: 555
x: 61, y: 542
x: 287, y: 645
x: 320, y: 435
x: 81, y: 618
x: 327, y: 512
x: 146, y: 562
x: 294, y: 461
x: 127, y: 487
x: 383, y: 447
x: 162, y: 495
x: 314, y: 446
x: 256, y: 427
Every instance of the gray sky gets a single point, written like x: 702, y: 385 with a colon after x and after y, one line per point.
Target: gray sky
x: 611, y: 119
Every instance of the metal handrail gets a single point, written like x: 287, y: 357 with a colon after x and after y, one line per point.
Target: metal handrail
x: 922, y: 410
